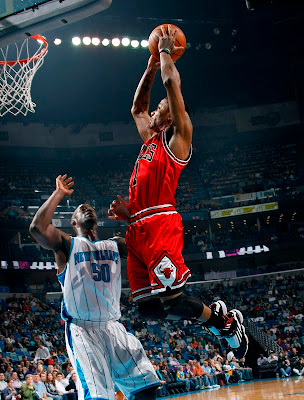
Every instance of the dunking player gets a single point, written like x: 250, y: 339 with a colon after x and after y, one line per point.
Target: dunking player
x: 155, y: 234
x: 100, y: 349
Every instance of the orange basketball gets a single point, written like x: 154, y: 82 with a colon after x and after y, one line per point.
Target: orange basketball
x: 179, y: 41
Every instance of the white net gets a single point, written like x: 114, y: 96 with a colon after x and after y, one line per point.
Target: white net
x: 16, y: 76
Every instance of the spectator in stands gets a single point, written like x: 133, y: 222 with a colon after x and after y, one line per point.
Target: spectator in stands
x: 285, y: 369
x: 43, y: 377
x: 17, y: 384
x: 290, y: 328
x: 228, y: 368
x: 61, y: 385
x: 262, y: 360
x: 247, y: 371
x: 194, y: 383
x: 28, y: 389
x: 50, y: 385
x: 40, y: 368
x: 199, y: 373
x: 209, y: 374
x: 40, y: 386
x: 3, y: 383
x: 9, y: 392
x: 20, y: 373
x: 294, y: 353
x: 72, y: 383
x: 162, y: 391
x: 272, y: 357
x: 237, y: 368
x: 299, y: 367
x: 221, y: 376
x: 42, y: 353
x: 181, y: 377
x: 8, y: 373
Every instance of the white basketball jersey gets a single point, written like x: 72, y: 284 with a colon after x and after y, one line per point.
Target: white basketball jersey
x: 91, y: 281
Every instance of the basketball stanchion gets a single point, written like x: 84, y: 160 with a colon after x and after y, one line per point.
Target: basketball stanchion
x: 16, y: 76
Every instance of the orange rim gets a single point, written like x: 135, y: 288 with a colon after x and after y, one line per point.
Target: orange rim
x: 30, y: 59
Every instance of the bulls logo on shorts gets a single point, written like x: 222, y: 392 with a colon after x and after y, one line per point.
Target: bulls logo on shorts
x: 165, y: 272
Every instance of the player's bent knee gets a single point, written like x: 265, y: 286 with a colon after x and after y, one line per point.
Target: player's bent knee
x: 152, y: 308
x: 147, y: 394
x: 184, y: 306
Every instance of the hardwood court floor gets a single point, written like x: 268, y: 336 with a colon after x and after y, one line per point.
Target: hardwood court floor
x: 289, y: 389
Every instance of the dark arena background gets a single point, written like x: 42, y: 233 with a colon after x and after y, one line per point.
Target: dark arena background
x: 240, y: 197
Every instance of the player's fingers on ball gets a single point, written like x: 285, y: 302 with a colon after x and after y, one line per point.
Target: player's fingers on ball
x: 163, y: 30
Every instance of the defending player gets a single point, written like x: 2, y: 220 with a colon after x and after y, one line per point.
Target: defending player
x: 155, y: 234
x: 89, y: 270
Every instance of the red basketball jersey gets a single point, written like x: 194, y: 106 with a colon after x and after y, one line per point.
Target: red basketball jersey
x: 155, y: 176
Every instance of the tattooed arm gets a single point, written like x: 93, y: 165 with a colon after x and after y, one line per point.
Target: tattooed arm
x: 141, y: 101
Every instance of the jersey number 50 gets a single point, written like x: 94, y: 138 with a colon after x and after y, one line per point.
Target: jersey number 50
x: 101, y: 272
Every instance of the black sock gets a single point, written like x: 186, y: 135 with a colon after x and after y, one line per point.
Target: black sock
x: 215, y: 320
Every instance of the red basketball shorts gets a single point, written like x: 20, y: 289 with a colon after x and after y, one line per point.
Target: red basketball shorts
x: 155, y: 260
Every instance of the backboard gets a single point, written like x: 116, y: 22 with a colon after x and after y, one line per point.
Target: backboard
x: 20, y: 19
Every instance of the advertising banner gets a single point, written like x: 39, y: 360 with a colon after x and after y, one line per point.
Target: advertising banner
x: 231, y: 212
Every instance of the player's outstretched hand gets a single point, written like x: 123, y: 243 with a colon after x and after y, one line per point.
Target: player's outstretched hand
x: 167, y: 39
x: 153, y: 63
x: 64, y: 184
x: 119, y: 210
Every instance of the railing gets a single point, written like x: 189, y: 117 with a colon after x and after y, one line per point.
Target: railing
x: 261, y: 337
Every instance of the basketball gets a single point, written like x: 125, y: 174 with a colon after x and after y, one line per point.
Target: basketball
x: 179, y: 41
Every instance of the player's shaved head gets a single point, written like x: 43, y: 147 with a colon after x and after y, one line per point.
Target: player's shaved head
x: 84, y: 217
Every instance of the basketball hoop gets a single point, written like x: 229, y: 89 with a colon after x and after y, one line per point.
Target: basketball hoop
x: 16, y: 77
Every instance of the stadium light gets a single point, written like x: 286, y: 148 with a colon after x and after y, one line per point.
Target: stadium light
x: 134, y: 43
x: 115, y: 42
x: 76, y: 41
x: 125, y: 41
x: 95, y: 41
x: 105, y: 42
x: 86, y: 40
x: 144, y: 43
x: 57, y: 42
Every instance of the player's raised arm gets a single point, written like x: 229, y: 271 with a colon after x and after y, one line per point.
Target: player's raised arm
x: 180, y: 142
x: 44, y: 232
x: 141, y: 101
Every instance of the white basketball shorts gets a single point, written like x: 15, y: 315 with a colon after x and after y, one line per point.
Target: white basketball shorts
x: 104, y: 355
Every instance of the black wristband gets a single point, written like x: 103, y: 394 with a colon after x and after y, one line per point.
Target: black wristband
x: 165, y: 50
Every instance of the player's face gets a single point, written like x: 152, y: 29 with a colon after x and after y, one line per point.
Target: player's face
x: 160, y: 118
x: 85, y: 215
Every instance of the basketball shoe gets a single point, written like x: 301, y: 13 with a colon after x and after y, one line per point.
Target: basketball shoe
x: 229, y: 327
